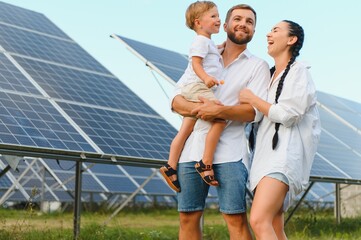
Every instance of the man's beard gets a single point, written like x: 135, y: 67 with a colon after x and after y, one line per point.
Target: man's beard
x: 239, y: 41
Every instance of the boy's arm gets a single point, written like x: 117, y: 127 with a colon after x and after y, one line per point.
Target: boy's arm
x: 197, y: 66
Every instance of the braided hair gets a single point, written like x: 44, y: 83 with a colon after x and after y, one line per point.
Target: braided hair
x: 294, y: 30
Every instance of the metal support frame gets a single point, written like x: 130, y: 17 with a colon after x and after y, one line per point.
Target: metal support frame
x: 5, y: 170
x: 338, y: 203
x: 81, y: 158
x: 77, y: 200
x: 16, y: 183
x: 299, y: 203
x: 44, y: 186
x: 130, y: 197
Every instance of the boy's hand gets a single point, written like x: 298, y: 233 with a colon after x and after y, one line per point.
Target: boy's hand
x: 210, y: 81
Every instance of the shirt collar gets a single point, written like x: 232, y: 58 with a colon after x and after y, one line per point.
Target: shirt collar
x: 246, y: 53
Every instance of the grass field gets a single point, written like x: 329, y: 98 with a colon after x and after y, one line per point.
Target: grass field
x: 151, y: 224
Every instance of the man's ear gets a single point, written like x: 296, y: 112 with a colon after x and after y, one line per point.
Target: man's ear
x: 225, y: 27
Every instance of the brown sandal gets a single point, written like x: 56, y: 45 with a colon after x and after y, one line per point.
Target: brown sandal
x: 167, y: 171
x: 201, y: 169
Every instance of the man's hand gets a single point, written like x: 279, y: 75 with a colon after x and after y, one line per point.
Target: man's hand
x: 209, y: 110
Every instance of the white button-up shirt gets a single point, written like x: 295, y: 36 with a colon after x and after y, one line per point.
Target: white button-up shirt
x: 298, y: 134
x: 246, y: 71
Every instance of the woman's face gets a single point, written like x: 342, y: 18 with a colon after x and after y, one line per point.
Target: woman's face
x: 278, y: 39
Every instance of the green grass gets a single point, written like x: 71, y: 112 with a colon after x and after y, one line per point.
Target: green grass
x: 152, y: 224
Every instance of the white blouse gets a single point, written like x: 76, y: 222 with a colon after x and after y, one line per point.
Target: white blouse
x: 298, y: 134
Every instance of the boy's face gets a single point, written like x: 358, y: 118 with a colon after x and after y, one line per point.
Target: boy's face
x: 209, y: 23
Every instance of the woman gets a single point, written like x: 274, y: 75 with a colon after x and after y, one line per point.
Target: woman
x: 288, y: 135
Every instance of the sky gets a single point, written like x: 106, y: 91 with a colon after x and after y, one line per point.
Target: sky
x: 331, y: 44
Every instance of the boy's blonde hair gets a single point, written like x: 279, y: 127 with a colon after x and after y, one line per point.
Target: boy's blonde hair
x: 196, y: 10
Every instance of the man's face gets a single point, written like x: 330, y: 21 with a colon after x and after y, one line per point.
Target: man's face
x: 241, y: 26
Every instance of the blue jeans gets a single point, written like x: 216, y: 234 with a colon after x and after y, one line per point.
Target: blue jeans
x: 232, y: 178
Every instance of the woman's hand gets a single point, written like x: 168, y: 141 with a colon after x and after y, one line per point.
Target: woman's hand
x: 246, y: 96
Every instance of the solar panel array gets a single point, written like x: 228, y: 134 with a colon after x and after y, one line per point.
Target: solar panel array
x: 338, y: 157
x: 55, y: 96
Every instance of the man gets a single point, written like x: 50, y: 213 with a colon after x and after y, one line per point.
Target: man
x: 241, y: 70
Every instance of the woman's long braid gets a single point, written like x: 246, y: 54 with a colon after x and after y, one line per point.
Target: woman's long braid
x: 294, y: 30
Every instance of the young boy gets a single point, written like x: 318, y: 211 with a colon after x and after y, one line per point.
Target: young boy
x: 204, y: 68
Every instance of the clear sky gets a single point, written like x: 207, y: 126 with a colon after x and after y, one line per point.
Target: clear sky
x: 331, y: 27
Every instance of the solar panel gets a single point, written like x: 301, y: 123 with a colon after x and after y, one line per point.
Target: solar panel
x: 5, y: 182
x: 122, y: 133
x: 343, y: 133
x: 33, y: 121
x: 322, y: 193
x: 12, y: 79
x: 171, y: 63
x: 27, y: 19
x: 347, y: 110
x: 82, y: 86
x: 55, y: 96
x: 22, y: 42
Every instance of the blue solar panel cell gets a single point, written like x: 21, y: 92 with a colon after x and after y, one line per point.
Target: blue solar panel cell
x: 138, y: 171
x: 84, y: 87
x: 150, y: 136
x: 5, y: 182
x: 18, y: 197
x: 356, y: 107
x: 155, y: 186
x: 28, y: 19
x: 322, y: 193
x: 174, y: 74
x: 342, y: 132
x: 321, y: 168
x: 350, y: 117
x: 47, y: 48
x: 42, y: 127
x: 171, y: 63
x: 118, y: 184
x: 12, y: 79
x: 338, y: 157
x: 329, y: 100
x: 88, y: 182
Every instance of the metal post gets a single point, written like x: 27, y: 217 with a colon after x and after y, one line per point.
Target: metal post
x: 299, y: 203
x: 16, y: 183
x: 42, y: 201
x: 77, y: 200
x: 130, y: 198
x: 338, y: 203
x: 5, y: 170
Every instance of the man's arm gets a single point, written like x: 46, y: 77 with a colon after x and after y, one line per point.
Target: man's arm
x: 210, y: 111
x: 184, y: 107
